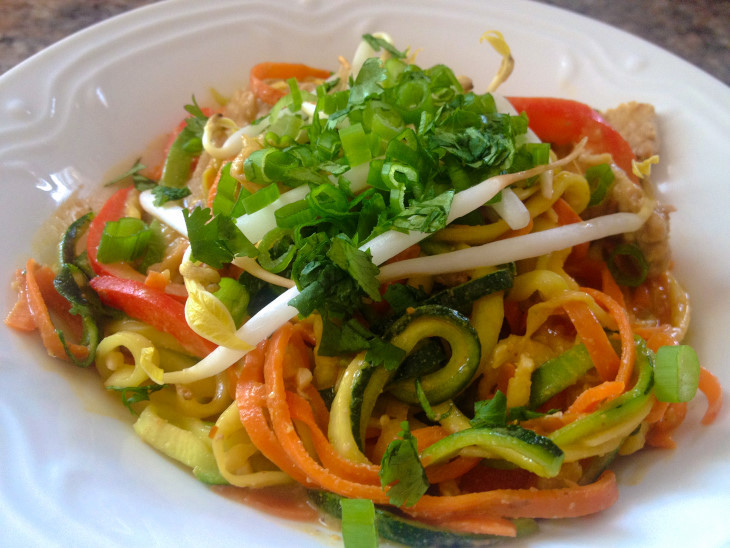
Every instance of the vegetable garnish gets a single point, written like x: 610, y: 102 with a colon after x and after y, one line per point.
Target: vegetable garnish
x: 676, y: 373
x: 358, y: 523
x: 401, y: 470
x: 386, y: 290
x: 185, y: 148
x: 134, y: 394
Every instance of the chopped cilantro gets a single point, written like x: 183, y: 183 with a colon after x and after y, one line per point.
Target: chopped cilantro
x: 492, y: 412
x: 215, y: 240
x: 379, y: 43
x: 141, y: 182
x: 164, y: 194
x: 135, y: 394
x: 401, y: 470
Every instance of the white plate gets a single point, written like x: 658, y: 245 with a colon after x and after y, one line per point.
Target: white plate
x: 72, y: 471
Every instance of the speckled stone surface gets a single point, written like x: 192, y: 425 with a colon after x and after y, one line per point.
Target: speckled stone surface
x: 697, y: 30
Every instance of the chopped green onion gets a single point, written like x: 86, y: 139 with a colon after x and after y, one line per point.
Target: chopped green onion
x: 358, y: 523
x: 676, y: 373
x: 235, y: 297
x: 627, y: 265
x: 296, y: 94
x: 412, y: 97
x: 600, y: 178
x: 269, y: 165
x: 285, y: 129
x: 228, y: 197
x: 355, y: 144
x: 123, y: 240
x: 261, y: 198
x: 540, y: 153
x: 397, y: 175
x: 328, y: 201
x: 277, y: 242
x: 294, y: 214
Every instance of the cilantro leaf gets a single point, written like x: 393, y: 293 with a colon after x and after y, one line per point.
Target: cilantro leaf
x: 164, y: 194
x: 379, y: 43
x: 135, y: 394
x: 490, y: 413
x: 357, y: 264
x: 426, y: 405
x: 191, y: 137
x: 383, y: 352
x: 401, y: 469
x: 141, y: 182
x: 349, y: 337
x: 367, y: 83
x: 402, y: 296
x: 215, y: 240
x: 428, y: 216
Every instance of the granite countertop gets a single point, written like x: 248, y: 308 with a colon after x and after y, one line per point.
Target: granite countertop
x: 698, y: 31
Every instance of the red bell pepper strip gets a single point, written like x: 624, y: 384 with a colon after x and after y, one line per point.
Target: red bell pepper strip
x: 566, y: 122
x: 153, y: 307
x: 280, y: 71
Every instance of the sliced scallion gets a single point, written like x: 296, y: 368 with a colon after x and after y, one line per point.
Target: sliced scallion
x: 294, y: 214
x: 228, y: 197
x: 627, y: 265
x: 600, y: 178
x: 261, y: 198
x: 358, y: 523
x: 276, y: 250
x: 355, y: 144
x: 123, y: 240
x: 676, y: 373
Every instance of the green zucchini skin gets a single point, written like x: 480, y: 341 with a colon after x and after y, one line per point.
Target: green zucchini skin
x: 519, y: 446
x: 409, y: 532
x: 557, y: 374
x: 353, y: 404
x: 461, y: 297
x: 430, y: 321
x: 617, y: 410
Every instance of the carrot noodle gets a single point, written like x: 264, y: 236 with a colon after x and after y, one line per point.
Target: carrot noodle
x: 657, y: 412
x: 711, y: 388
x: 484, y: 525
x: 660, y: 433
x: 20, y: 316
x: 628, y: 351
x: 156, y: 280
x: 594, y: 337
x: 250, y: 398
x: 35, y: 275
x: 658, y: 336
x: 590, y: 399
x: 287, y: 436
x: 566, y: 216
x: 518, y: 503
x: 610, y: 287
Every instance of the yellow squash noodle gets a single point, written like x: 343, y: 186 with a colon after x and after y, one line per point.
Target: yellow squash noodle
x: 111, y: 364
x: 201, y: 399
x: 234, y: 451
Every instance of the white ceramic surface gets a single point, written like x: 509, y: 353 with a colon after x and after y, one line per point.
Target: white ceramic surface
x: 72, y: 471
